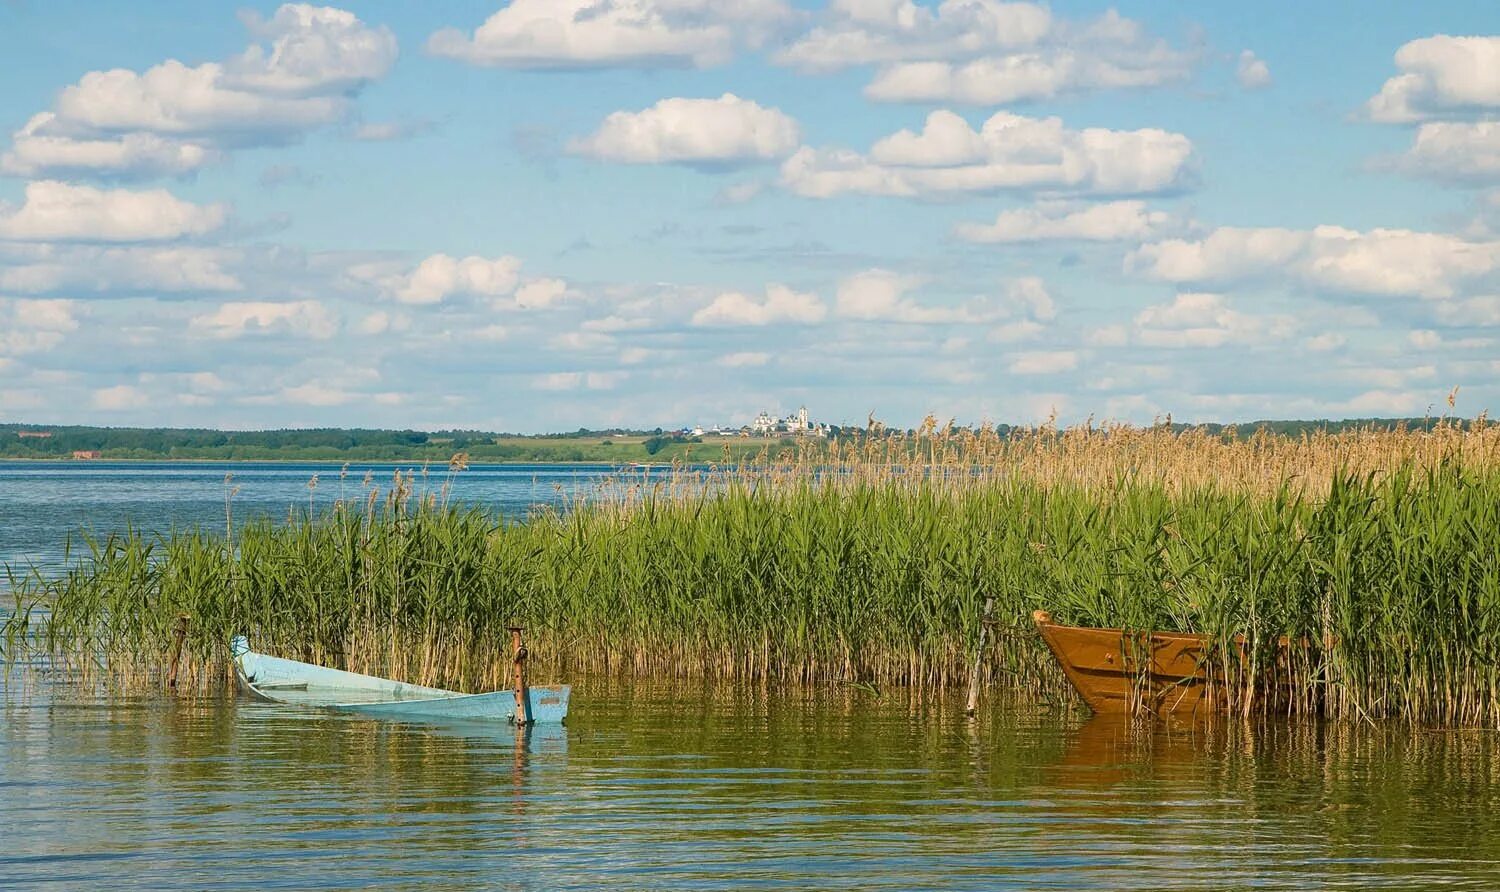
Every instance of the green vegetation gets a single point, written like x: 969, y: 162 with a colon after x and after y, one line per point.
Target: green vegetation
x: 1375, y: 551
x: 369, y: 445
x: 20, y: 441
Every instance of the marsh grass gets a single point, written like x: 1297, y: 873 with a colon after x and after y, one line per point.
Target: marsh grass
x: 865, y: 565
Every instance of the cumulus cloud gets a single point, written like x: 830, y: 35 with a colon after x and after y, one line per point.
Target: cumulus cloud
x: 34, y: 326
x: 174, y: 118
x: 879, y: 295
x: 235, y: 319
x: 122, y: 269
x: 1441, y: 76
x: 541, y: 293
x: 1008, y: 152
x: 1458, y: 151
x: 618, y: 33
x: 1252, y: 72
x: 1450, y: 86
x: 724, y: 131
x: 1204, y: 320
x: 984, y: 52
x: 120, y: 396
x: 57, y: 211
x: 1069, y: 221
x: 441, y: 276
x: 1394, y: 262
x: 781, y: 305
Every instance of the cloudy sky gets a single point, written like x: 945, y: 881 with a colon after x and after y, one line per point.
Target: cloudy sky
x: 547, y: 214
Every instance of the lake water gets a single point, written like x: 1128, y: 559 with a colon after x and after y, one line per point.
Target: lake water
x: 685, y: 787
x: 41, y: 503
x: 663, y: 786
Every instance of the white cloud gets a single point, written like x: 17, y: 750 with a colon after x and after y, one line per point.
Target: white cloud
x: 35, y: 326
x: 57, y: 211
x: 174, y: 118
x: 121, y: 396
x: 1043, y: 362
x: 744, y: 360
x: 724, y: 131
x: 235, y: 319
x: 122, y: 269
x: 1440, y: 76
x: 1424, y: 339
x: 1252, y: 73
x: 1066, y: 221
x: 1395, y: 262
x: 618, y: 33
x: 1008, y: 152
x: 378, y: 322
x: 1204, y: 320
x: 1451, y: 86
x: 441, y: 276
x: 863, y: 32
x: 1480, y: 312
x: 314, y: 394
x: 1325, y: 343
x: 541, y: 293
x: 984, y: 52
x: 1455, y: 150
x: 781, y: 305
x: 1029, y: 296
x: 879, y: 295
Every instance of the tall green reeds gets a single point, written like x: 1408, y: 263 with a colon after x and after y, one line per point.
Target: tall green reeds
x: 1359, y: 594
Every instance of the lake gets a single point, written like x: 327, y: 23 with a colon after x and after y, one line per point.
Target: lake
x: 682, y: 785
x: 660, y: 786
x: 41, y: 503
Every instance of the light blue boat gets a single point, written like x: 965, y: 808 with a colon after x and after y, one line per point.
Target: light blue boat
x: 288, y: 681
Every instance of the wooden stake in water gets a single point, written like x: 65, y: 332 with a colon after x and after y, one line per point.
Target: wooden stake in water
x: 523, y: 700
x: 984, y: 634
x: 179, y: 632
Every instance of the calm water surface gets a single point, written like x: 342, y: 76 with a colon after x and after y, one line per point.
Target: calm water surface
x: 661, y: 787
x: 41, y: 503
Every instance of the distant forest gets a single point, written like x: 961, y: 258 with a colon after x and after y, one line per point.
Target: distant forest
x: 33, y: 441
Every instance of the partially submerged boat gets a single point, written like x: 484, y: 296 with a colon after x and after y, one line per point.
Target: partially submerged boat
x: 278, y: 680
x: 1115, y: 671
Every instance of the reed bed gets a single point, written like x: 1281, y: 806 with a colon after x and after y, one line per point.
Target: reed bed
x: 1376, y: 553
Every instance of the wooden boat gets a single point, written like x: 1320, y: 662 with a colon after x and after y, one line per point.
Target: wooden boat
x: 1115, y: 671
x: 279, y: 680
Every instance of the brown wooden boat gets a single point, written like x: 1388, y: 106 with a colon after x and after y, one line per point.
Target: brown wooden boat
x: 1117, y: 671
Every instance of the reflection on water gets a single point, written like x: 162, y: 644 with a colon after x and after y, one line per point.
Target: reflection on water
x: 662, y: 786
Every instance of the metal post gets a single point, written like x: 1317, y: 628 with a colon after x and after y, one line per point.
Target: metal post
x: 984, y: 633
x: 523, y: 701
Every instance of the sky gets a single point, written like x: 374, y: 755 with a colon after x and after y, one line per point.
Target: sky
x: 540, y: 215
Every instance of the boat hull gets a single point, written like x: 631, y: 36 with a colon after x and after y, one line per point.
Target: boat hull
x: 1118, y: 671
x: 292, y: 682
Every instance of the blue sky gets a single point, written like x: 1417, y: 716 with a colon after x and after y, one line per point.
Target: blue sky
x: 548, y: 214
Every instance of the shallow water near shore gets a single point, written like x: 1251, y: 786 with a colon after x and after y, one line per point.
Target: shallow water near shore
x: 657, y: 785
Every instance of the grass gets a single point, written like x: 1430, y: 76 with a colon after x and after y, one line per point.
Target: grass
x: 868, y: 566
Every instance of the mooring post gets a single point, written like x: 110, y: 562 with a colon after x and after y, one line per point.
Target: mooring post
x: 179, y: 633
x: 984, y: 633
x: 523, y: 701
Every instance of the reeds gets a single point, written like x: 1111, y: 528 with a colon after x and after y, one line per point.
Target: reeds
x: 1377, y: 554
